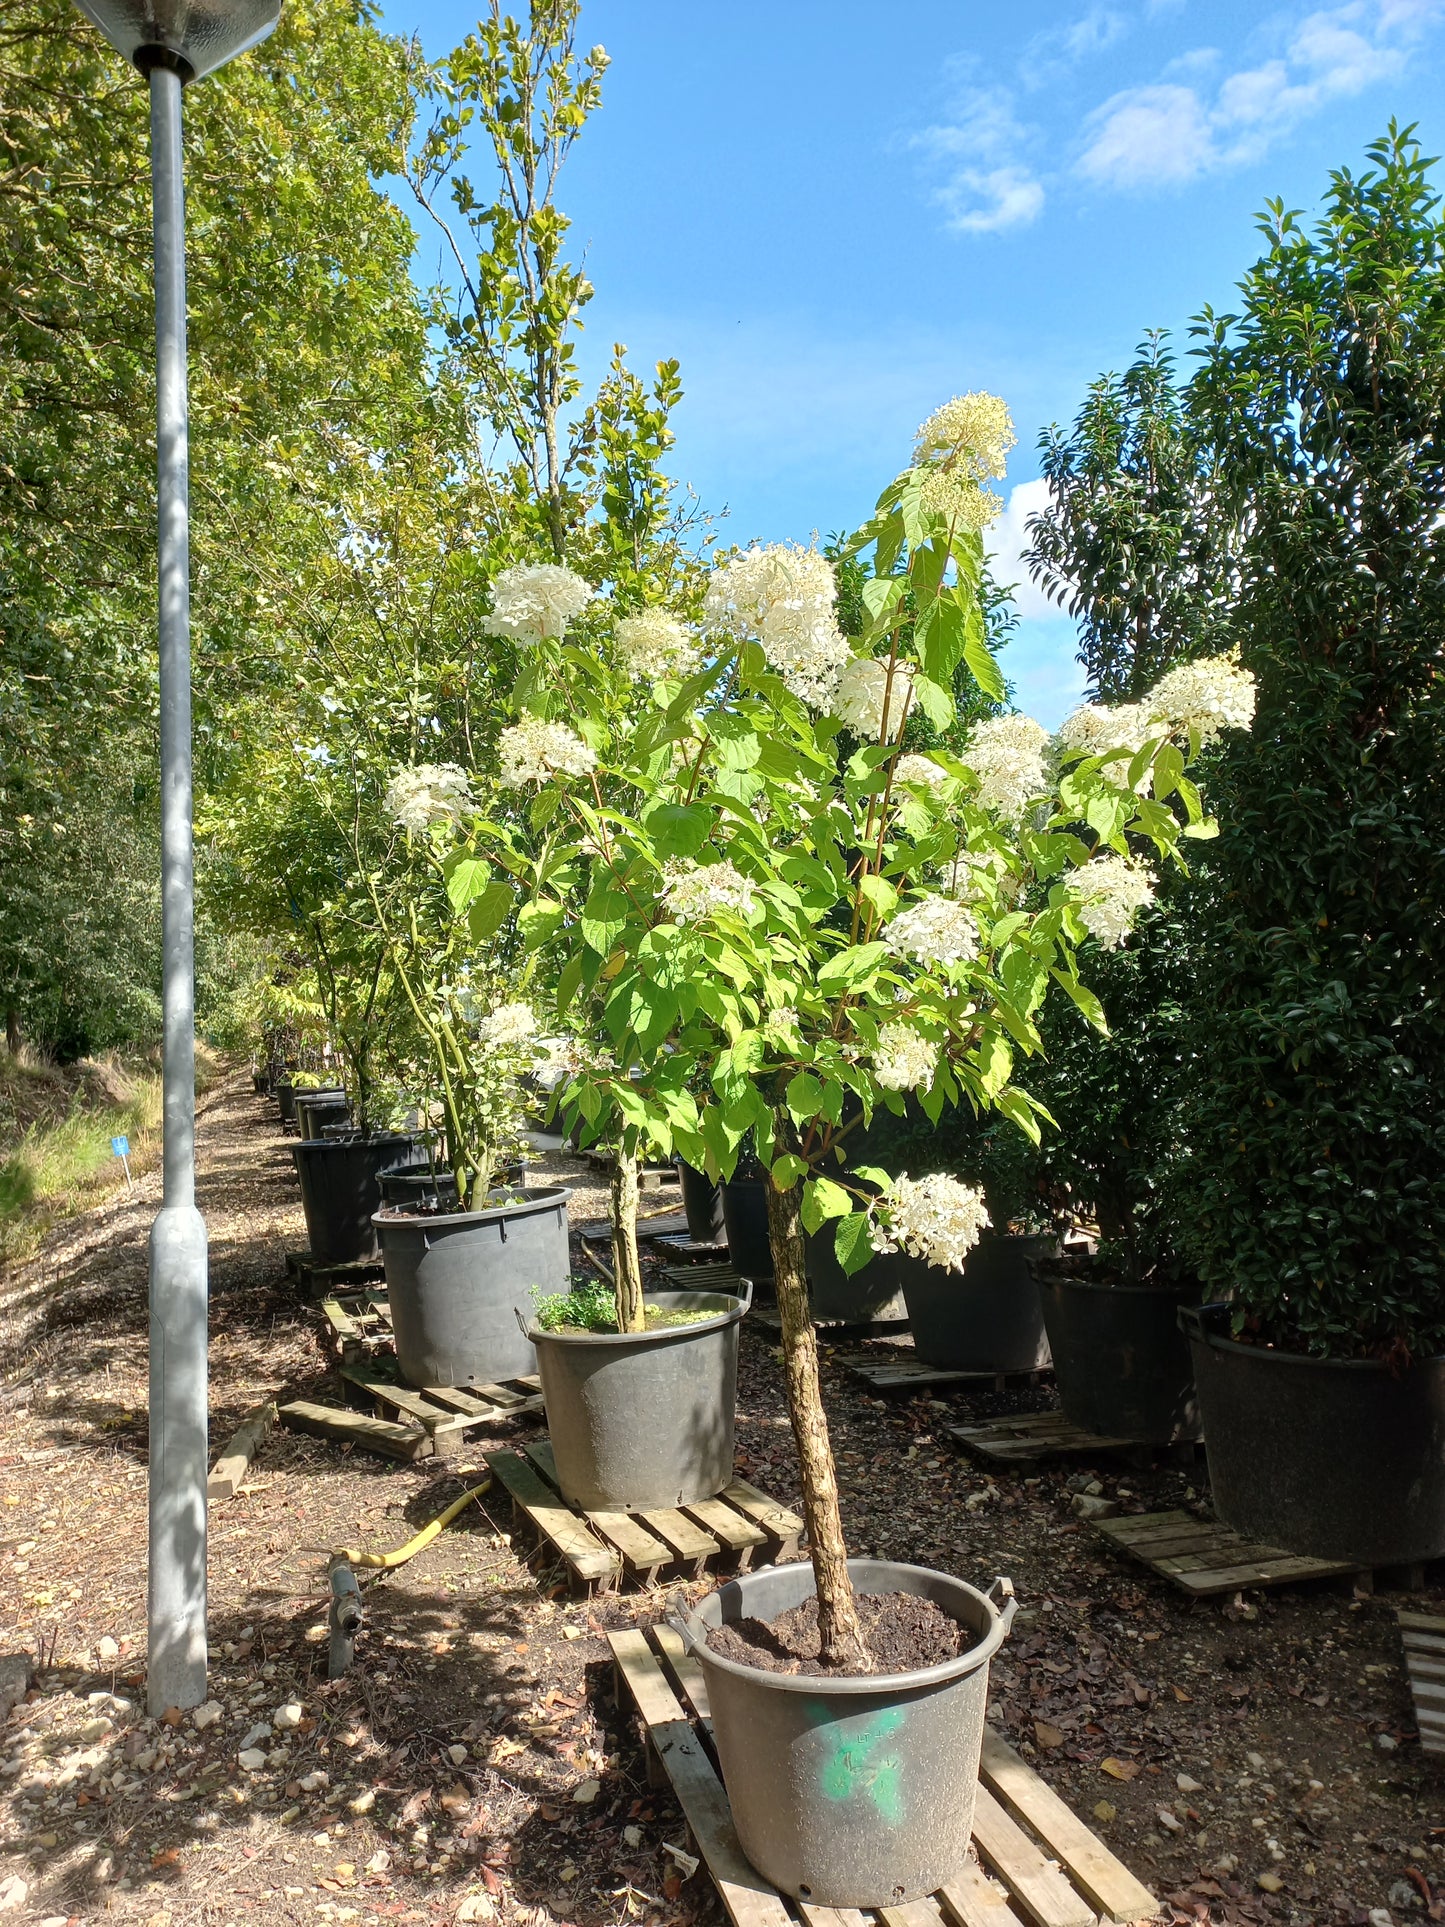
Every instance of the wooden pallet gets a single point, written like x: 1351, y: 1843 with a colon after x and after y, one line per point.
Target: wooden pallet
x: 649, y: 1178
x: 1035, y: 1860
x: 605, y: 1549
x: 683, y: 1249
x: 830, y: 1330
x: 1027, y: 1437
x: 319, y: 1279
x: 1423, y: 1637
x: 896, y: 1372
x: 1202, y: 1557
x: 358, y: 1324
x: 656, y: 1224
x: 719, y: 1277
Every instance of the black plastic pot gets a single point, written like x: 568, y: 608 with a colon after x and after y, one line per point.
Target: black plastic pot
x: 1332, y: 1458
x: 875, y: 1292
x: 645, y: 1419
x: 408, y: 1189
x: 320, y: 1111
x: 851, y: 1792
x: 458, y: 1283
x: 1120, y: 1360
x: 745, y: 1219
x: 285, y: 1095
x: 702, y: 1201
x: 341, y: 1190
x: 989, y: 1318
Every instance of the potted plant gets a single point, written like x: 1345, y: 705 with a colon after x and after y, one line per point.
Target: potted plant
x: 776, y: 933
x: 1314, y: 1179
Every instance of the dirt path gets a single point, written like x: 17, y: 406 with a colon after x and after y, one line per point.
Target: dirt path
x: 473, y: 1766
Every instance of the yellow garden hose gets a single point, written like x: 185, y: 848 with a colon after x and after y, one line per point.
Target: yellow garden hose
x: 389, y: 1561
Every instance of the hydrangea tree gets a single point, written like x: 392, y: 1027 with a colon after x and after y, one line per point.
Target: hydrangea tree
x: 775, y: 917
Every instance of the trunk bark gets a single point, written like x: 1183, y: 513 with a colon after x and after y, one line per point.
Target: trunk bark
x: 12, y: 1032
x: 626, y: 1265
x: 842, y: 1636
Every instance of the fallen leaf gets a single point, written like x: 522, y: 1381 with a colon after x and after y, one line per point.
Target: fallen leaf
x: 1185, y: 1699
x: 167, y: 1857
x: 1119, y: 1769
x: 1105, y: 1810
x: 1047, y: 1735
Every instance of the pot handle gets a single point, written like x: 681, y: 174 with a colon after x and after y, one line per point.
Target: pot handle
x: 1001, y: 1595
x: 1191, y: 1321
x: 688, y: 1627
x: 522, y: 1324
x: 746, y: 1294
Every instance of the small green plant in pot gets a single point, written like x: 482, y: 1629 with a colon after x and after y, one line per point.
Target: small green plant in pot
x: 793, y: 918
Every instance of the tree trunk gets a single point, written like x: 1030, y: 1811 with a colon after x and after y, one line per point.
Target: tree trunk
x: 842, y: 1637
x: 626, y: 1265
x: 12, y: 1032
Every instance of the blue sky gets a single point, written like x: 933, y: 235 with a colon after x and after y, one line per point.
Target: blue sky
x: 836, y: 217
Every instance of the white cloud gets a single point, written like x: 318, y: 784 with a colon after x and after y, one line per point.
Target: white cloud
x: 1005, y: 543
x: 986, y: 184
x: 1056, y: 49
x: 1170, y: 133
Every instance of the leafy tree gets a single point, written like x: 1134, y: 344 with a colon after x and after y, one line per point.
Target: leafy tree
x: 1315, y: 1180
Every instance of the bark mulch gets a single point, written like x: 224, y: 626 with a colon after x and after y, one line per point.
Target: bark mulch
x: 473, y: 1766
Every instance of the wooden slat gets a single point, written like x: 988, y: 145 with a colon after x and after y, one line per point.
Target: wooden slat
x: 340, y: 1320
x: 686, y: 1670
x: 729, y: 1527
x: 913, y: 1913
x: 502, y: 1396
x: 231, y: 1468
x: 976, y: 1901
x: 400, y: 1397
x: 689, y: 1542
x: 1141, y: 1524
x: 646, y: 1681
x: 642, y: 1550
x: 1104, y: 1880
x: 457, y: 1400
x: 357, y: 1428
x: 586, y: 1555
x: 831, y: 1916
x: 1038, y: 1886
x: 1422, y: 1623
x: 782, y: 1526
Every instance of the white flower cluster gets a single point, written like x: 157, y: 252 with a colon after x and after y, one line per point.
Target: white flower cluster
x: 533, y: 751
x: 427, y: 793
x: 534, y: 600
x: 864, y: 688
x: 1209, y: 696
x: 1097, y: 728
x: 1110, y: 891
x: 781, y: 1025
x: 937, y: 1219
x: 657, y: 646
x: 962, y: 444
x: 903, y: 1061
x: 921, y: 770
x: 982, y: 876
x: 781, y: 596
x: 1006, y: 753
x: 694, y: 891
x: 934, y: 930
x: 507, y: 1026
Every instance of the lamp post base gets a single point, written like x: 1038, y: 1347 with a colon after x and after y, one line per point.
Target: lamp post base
x: 179, y: 1452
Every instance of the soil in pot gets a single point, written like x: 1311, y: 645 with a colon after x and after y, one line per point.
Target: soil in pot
x: 902, y: 1632
x: 1122, y: 1364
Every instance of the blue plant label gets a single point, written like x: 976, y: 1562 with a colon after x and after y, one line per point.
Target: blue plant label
x: 120, y: 1146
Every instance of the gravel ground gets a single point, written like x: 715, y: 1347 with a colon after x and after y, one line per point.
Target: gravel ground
x: 1253, y: 1760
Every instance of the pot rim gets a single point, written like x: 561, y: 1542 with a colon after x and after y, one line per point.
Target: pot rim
x: 350, y: 1143
x: 736, y: 1308
x: 1115, y: 1287
x: 860, y: 1685
x: 534, y: 1197
x: 1197, y: 1333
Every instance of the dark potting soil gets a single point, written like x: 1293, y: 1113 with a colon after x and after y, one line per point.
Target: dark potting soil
x: 902, y: 1633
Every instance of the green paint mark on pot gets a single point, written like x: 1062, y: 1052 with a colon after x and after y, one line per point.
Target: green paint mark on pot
x: 854, y: 1767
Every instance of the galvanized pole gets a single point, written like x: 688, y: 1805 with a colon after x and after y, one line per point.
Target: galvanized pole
x: 176, y: 1673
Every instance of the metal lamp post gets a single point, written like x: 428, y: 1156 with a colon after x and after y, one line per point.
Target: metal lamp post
x: 172, y: 42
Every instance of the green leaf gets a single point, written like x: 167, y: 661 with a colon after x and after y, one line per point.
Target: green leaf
x: 979, y: 657
x: 852, y: 1243
x: 804, y: 1097
x: 849, y: 965
x: 822, y: 1199
x: 678, y: 829
x: 540, y: 920
x: 1087, y: 1002
x: 934, y: 701
x: 466, y: 879
x: 788, y: 1170
x: 488, y: 912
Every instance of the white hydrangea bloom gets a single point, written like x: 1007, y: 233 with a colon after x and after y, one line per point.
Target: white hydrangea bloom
x: 982, y: 876
x: 781, y: 1024
x: 781, y: 597
x: 533, y: 751
x: 534, y: 600
x: 921, y: 770
x: 507, y: 1026
x: 427, y: 793
x: 934, y: 930
x: 861, y: 693
x: 966, y: 504
x: 657, y: 646
x: 1006, y: 753
x: 693, y: 891
x: 1099, y: 727
x: 974, y: 430
x: 903, y: 1061
x: 937, y: 1219
x: 1210, y: 696
x: 1110, y: 891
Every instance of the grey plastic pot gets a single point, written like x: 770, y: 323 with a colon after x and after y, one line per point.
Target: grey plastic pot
x: 408, y: 1189
x: 875, y: 1292
x: 745, y: 1219
x: 644, y: 1419
x: 456, y: 1284
x: 1121, y: 1362
x: 1330, y: 1457
x: 989, y: 1319
x: 851, y: 1792
x: 340, y: 1181
x: 702, y: 1201
x: 320, y: 1111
